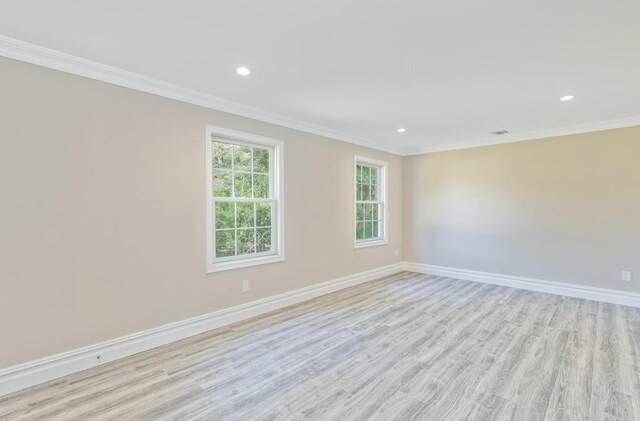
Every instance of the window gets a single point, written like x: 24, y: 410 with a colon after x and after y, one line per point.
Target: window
x: 370, y: 205
x: 244, y: 206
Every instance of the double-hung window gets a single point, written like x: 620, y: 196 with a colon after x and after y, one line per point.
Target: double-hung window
x: 244, y: 206
x: 370, y: 204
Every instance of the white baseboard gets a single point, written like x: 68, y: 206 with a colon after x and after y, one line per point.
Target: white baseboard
x: 32, y: 373
x: 39, y: 371
x: 558, y: 288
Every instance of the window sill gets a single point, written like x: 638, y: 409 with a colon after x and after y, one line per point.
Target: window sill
x: 243, y: 263
x: 365, y: 244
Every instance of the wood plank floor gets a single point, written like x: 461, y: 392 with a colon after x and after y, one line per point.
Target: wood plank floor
x: 409, y: 347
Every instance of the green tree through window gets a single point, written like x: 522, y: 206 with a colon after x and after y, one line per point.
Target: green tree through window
x: 370, y: 202
x: 242, y: 199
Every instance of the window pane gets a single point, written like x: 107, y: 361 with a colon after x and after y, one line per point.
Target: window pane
x: 261, y: 186
x: 367, y: 213
x: 245, y: 241
x: 374, y: 192
x: 242, y: 175
x: 366, y: 195
x: 365, y: 174
x: 225, y: 243
x: 263, y: 240
x: 224, y: 215
x: 222, y: 184
x: 242, y: 158
x: 373, y: 175
x: 242, y: 184
x: 368, y: 230
x: 370, y: 210
x: 244, y: 215
x: 221, y: 155
x: 360, y: 212
x: 263, y: 214
x: 260, y: 160
x: 360, y: 231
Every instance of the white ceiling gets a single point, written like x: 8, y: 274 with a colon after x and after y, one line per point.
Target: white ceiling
x: 449, y: 71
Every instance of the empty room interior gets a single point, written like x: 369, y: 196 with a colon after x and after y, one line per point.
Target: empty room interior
x: 320, y: 210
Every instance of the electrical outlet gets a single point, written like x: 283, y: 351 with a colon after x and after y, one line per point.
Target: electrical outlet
x: 397, y: 252
x: 627, y: 276
x: 245, y: 285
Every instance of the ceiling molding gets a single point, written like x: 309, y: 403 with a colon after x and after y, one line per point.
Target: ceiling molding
x: 46, y: 57
x: 533, y: 135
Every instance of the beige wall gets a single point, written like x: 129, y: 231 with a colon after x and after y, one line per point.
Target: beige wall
x: 563, y: 209
x: 103, y: 213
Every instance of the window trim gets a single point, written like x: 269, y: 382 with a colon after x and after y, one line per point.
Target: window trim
x: 249, y: 139
x: 358, y: 244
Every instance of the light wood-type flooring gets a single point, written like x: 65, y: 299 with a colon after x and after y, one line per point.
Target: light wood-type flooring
x: 408, y: 347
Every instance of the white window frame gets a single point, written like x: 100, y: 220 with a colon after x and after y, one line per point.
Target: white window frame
x: 277, y: 180
x: 383, y: 169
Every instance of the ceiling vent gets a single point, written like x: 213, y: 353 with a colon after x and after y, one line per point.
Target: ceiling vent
x: 500, y: 132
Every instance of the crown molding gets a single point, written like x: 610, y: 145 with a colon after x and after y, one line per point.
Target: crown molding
x: 53, y: 59
x: 533, y: 135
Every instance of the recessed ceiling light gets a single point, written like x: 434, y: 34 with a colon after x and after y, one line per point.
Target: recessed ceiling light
x: 401, y: 130
x: 243, y: 71
x: 566, y: 98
